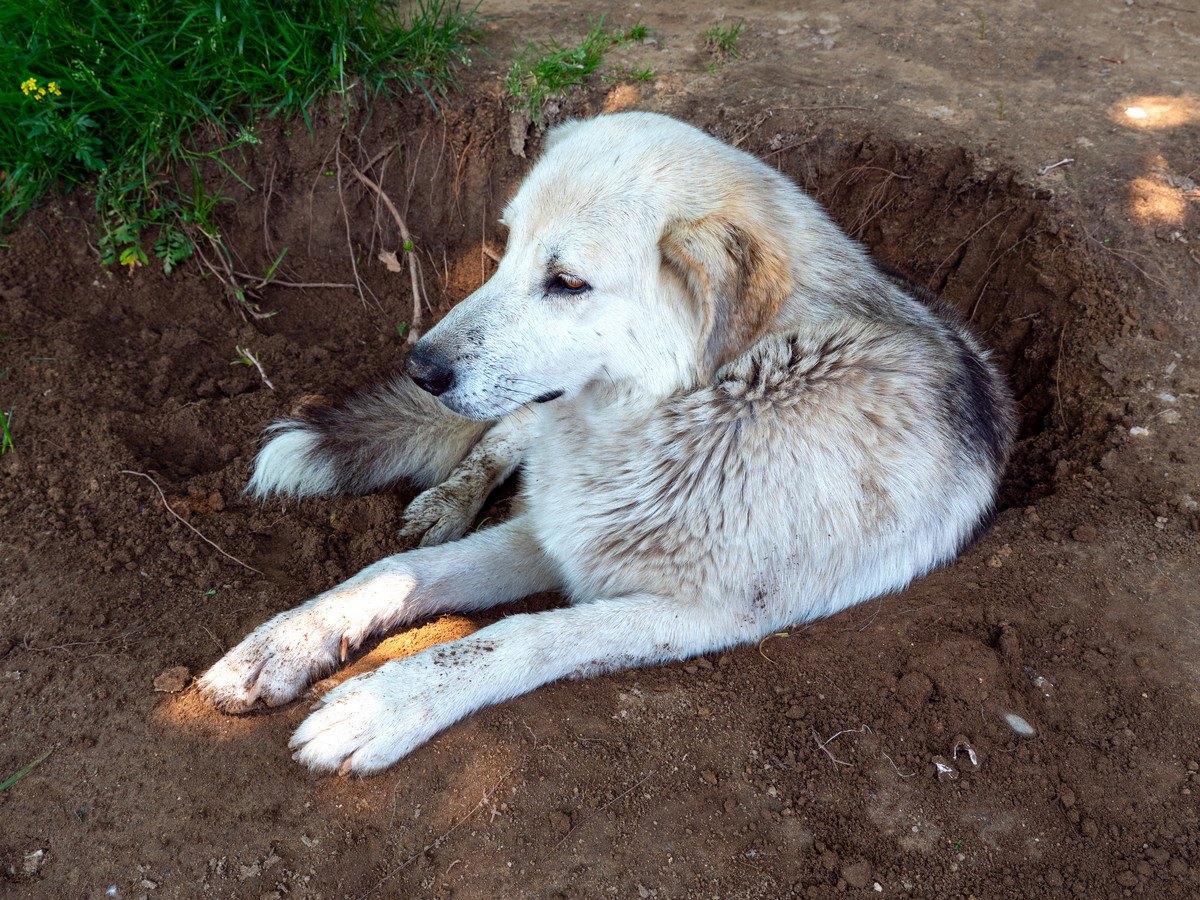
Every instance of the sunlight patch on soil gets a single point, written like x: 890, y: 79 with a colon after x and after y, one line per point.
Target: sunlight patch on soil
x: 1153, y: 113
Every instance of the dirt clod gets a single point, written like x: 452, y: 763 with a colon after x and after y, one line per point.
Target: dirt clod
x: 172, y: 680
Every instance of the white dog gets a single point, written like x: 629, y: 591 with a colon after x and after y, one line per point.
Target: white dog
x: 730, y: 421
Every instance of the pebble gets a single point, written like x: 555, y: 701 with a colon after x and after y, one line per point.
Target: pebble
x: 560, y: 822
x: 172, y: 680
x: 1085, y: 534
x: 857, y: 874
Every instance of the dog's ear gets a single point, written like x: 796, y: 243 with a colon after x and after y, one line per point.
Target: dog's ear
x: 738, y: 274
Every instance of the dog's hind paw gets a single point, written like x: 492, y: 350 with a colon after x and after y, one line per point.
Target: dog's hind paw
x: 441, y: 514
x: 275, y: 662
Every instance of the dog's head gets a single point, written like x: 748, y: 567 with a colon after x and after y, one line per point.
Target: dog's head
x: 641, y: 252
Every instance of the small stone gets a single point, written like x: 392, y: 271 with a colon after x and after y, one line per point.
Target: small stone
x: 1066, y: 797
x: 857, y: 874
x: 796, y: 712
x: 1085, y: 534
x: 560, y: 822
x: 1127, y: 879
x: 709, y: 776
x: 172, y: 680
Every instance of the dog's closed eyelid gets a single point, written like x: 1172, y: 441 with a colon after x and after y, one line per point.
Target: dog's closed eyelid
x: 562, y: 282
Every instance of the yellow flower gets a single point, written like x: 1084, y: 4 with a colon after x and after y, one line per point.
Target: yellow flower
x: 53, y: 88
x: 29, y: 86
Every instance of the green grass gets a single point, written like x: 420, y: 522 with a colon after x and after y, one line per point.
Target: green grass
x: 631, y: 73
x: 6, y: 441
x: 23, y: 771
x: 150, y: 98
x: 546, y: 70
x: 722, y: 40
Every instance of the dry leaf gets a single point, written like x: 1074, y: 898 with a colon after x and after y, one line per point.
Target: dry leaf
x: 388, y: 258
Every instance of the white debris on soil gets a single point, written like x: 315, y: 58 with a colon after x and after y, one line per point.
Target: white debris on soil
x: 1019, y: 725
x: 1042, y: 683
x: 32, y: 864
x: 943, y: 770
x: 1139, y: 431
x: 962, y: 747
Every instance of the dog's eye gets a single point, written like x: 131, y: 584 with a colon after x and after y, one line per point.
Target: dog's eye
x: 567, y: 281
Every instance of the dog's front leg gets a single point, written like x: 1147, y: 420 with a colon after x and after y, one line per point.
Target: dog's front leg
x: 369, y: 722
x: 277, y: 660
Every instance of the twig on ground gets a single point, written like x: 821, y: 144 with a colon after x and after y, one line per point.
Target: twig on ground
x: 71, y: 645
x: 824, y: 745
x: 897, y: 768
x: 188, y: 524
x: 267, y: 211
x: 777, y: 634
x: 1125, y: 255
x: 337, y: 158
x: 624, y: 793
x: 303, y: 285
x: 414, y: 326
x: 242, y: 351
x: 1062, y: 162
x: 438, y: 841
x: 1062, y: 336
x: 216, y: 640
x: 968, y: 238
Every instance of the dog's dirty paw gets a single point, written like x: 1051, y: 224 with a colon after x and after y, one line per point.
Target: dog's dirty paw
x: 442, y: 514
x: 369, y: 722
x: 275, y: 662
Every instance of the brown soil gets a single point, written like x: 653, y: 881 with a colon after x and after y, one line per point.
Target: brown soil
x: 806, y: 767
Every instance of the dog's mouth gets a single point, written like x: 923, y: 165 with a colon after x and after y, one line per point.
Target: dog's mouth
x: 547, y: 397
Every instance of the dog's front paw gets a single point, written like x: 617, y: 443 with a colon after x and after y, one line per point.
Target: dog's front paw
x: 275, y: 662
x: 443, y: 513
x: 369, y: 722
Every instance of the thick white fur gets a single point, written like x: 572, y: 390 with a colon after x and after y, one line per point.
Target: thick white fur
x: 688, y: 491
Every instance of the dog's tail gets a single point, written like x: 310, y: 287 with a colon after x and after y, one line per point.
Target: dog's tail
x: 362, y: 442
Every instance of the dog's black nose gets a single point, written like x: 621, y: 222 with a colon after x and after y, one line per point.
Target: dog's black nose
x: 430, y: 369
